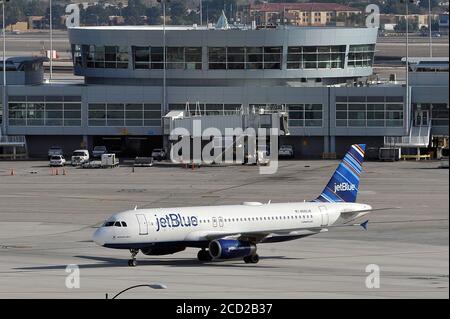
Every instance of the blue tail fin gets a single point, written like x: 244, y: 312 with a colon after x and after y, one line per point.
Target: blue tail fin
x: 343, y: 186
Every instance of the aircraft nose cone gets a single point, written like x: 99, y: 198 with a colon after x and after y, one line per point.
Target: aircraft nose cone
x: 98, y: 237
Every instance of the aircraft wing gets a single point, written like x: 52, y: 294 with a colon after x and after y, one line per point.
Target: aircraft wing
x: 256, y: 237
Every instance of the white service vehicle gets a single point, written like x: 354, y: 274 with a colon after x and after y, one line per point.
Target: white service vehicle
x: 79, y: 157
x: 109, y: 161
x: 234, y: 231
x: 57, y: 160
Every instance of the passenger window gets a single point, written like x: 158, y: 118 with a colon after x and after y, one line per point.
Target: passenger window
x: 117, y: 224
x: 124, y: 224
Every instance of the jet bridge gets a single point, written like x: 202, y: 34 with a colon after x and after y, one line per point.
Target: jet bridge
x: 227, y: 124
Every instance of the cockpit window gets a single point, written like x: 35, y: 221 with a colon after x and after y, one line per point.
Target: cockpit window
x: 109, y: 224
x: 117, y: 224
x: 124, y: 224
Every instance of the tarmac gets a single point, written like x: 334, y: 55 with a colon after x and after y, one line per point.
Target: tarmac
x: 46, y: 223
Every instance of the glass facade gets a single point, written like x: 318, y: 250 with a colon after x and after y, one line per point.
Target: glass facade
x: 305, y: 115
x: 438, y: 112
x: 244, y: 58
x: 370, y: 111
x: 117, y: 114
x: 101, y: 57
x: 44, y: 110
x: 189, y: 58
x: 323, y: 57
x: 224, y: 58
x: 361, y: 55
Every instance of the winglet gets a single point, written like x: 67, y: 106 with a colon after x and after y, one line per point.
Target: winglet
x: 135, y: 207
x: 365, y: 225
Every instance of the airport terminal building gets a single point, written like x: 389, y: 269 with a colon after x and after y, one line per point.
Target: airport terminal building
x: 136, y: 78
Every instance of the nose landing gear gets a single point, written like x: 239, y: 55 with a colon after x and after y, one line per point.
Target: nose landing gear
x: 133, y: 262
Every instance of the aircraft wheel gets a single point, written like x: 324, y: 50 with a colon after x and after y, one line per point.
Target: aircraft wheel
x: 132, y: 262
x: 247, y: 259
x: 203, y: 255
x: 254, y: 259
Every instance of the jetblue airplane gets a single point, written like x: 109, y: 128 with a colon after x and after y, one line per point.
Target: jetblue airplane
x: 233, y: 231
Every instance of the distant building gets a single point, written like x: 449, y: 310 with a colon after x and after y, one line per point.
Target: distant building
x: 389, y: 21
x: 135, y: 91
x: 300, y: 14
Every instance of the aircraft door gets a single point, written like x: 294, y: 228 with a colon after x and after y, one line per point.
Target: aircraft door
x: 422, y: 117
x: 214, y: 220
x: 143, y: 225
x: 324, y: 216
x: 220, y: 222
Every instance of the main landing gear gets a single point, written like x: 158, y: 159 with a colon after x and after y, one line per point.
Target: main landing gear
x: 203, y: 255
x: 133, y: 262
x: 252, y: 259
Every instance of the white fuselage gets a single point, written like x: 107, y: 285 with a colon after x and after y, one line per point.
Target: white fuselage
x: 189, y: 225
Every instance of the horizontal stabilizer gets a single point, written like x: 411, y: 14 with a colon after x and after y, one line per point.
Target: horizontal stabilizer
x: 365, y: 224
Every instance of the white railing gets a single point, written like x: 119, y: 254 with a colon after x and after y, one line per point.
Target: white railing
x: 406, y: 141
x: 12, y: 140
x: 413, y: 140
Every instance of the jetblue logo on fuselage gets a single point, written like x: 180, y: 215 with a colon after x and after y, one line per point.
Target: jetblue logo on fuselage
x: 344, y: 187
x: 175, y: 220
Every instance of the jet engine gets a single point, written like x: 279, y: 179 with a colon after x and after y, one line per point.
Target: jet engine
x: 159, y: 251
x: 231, y: 249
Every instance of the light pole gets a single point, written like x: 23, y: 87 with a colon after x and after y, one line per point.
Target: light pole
x: 153, y: 286
x: 163, y: 2
x: 51, y: 41
x: 164, y: 95
x: 407, y: 59
x: 3, y: 127
x: 430, y: 25
x: 201, y: 12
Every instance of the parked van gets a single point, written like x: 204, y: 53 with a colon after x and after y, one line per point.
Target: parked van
x: 80, y: 157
